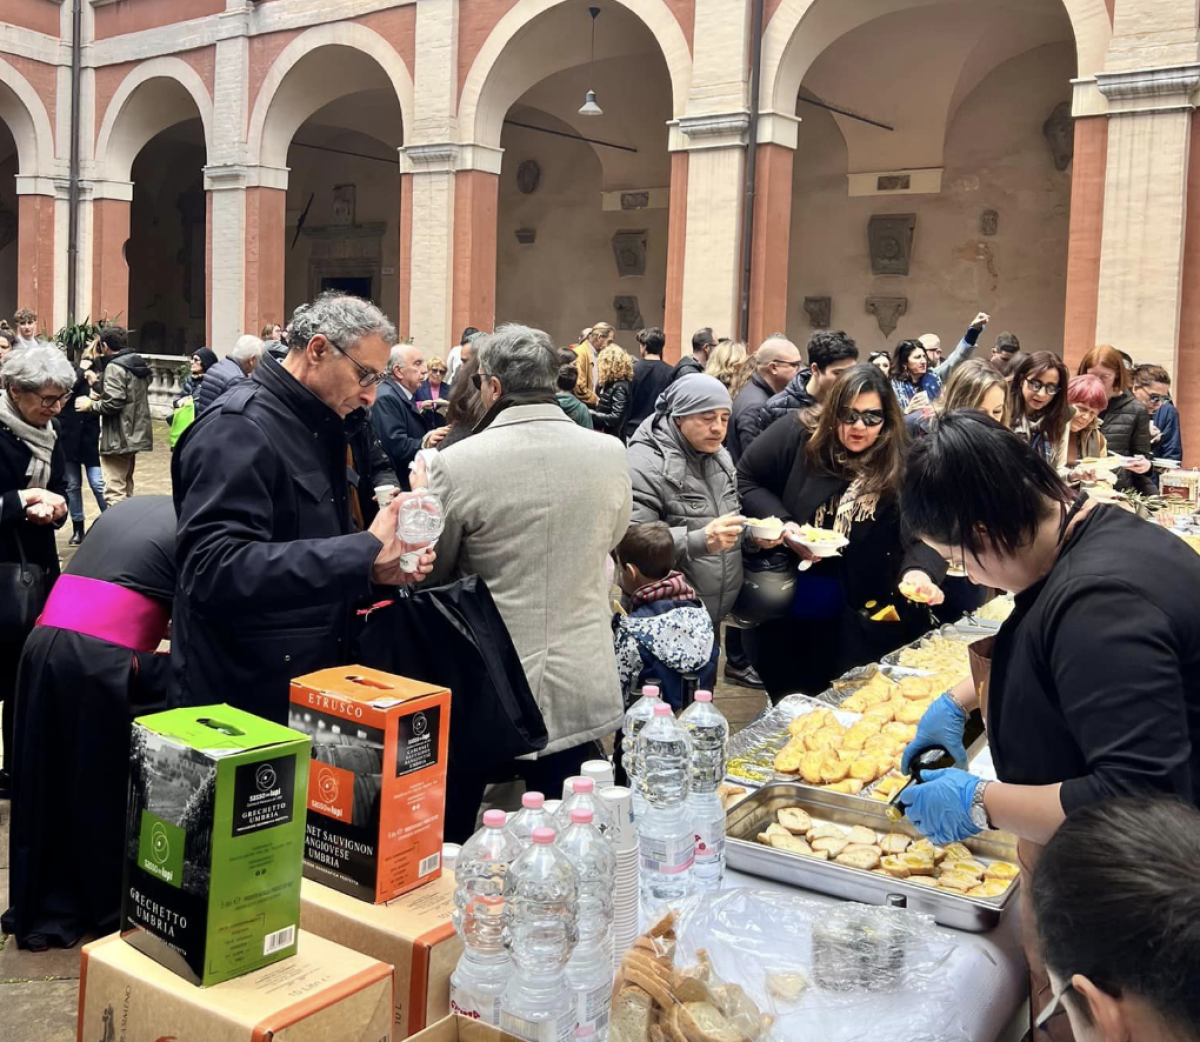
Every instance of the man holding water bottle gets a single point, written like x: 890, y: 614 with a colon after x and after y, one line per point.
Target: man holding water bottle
x: 271, y: 567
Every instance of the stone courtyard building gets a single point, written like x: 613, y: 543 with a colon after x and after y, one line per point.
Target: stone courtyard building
x: 888, y: 167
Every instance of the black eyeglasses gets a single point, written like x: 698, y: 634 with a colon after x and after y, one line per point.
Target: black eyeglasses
x: 369, y: 377
x: 1037, y: 387
x: 1056, y: 1008
x: 478, y: 378
x: 786, y: 365
x: 869, y: 417
x: 49, y: 401
x: 1158, y: 399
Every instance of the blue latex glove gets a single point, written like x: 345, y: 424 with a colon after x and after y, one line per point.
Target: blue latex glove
x: 943, y: 725
x: 940, y: 806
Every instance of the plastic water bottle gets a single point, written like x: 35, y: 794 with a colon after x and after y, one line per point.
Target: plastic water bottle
x: 666, y: 840
x: 636, y: 717
x: 419, y: 525
x: 484, y: 967
x: 590, y: 971
x: 583, y: 795
x: 542, y: 891
x: 532, y: 815
x: 709, y: 732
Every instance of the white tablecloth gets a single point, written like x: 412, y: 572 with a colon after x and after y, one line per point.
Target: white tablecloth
x: 988, y: 969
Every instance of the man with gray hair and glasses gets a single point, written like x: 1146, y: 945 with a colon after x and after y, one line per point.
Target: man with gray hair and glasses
x: 239, y: 364
x: 534, y: 505
x: 271, y: 568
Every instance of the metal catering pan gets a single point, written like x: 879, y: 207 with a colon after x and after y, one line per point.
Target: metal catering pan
x: 751, y: 816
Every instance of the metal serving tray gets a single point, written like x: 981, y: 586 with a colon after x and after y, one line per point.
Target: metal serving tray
x: 753, y: 814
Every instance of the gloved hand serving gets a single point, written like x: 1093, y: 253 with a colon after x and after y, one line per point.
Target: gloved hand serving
x: 943, y: 725
x: 940, y: 806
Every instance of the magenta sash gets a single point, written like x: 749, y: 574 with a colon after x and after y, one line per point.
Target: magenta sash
x: 107, y: 612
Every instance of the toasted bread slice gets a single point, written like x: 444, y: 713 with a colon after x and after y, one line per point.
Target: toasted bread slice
x: 825, y: 832
x: 895, y: 843
x: 789, y: 842
x: 918, y: 864
x: 787, y: 760
x: 795, y: 819
x: 865, y: 858
x: 958, y: 852
x: 632, y: 1016
x: 989, y: 888
x: 860, y: 835
x: 894, y: 867
x: 833, y: 768
x: 650, y: 982
x: 771, y: 831
x: 810, y: 766
x: 967, y: 866
x: 883, y: 713
x: 830, y: 844
x: 959, y: 882
x: 1002, y: 871
x: 850, y: 786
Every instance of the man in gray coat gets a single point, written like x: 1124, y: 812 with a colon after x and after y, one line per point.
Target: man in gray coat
x: 534, y: 504
x: 123, y: 402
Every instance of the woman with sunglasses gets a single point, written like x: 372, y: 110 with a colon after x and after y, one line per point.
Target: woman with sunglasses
x: 1038, y: 407
x: 1119, y: 931
x: 434, y: 389
x: 1124, y: 423
x: 838, y: 468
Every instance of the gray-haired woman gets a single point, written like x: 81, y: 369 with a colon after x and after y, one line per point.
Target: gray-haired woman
x: 682, y: 475
x: 37, y: 383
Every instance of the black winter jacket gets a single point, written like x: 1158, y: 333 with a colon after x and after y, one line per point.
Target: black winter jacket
x: 217, y: 381
x: 1125, y: 425
x: 270, y: 569
x: 750, y: 399
x: 37, y: 540
x: 792, y: 398
x: 612, y: 409
x: 79, y: 432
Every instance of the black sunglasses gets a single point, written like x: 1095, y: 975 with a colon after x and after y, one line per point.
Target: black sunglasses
x: 1037, y: 387
x: 1158, y: 399
x: 478, y: 378
x: 369, y: 377
x: 869, y: 417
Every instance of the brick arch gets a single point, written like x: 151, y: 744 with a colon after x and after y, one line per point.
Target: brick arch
x: 140, y: 109
x: 485, y: 99
x: 800, y: 30
x: 23, y: 112
x: 283, y: 103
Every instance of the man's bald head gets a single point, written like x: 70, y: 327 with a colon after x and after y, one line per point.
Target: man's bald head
x: 407, y: 366
x: 777, y: 361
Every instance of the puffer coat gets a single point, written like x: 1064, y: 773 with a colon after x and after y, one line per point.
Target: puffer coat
x: 1125, y: 425
x: 672, y: 482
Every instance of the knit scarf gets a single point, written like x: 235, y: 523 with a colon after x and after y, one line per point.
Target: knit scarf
x: 850, y: 507
x: 39, y: 441
x: 674, y: 587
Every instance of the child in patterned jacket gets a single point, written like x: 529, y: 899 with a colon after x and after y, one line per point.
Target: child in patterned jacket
x: 662, y: 630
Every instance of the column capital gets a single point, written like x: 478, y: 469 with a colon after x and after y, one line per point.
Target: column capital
x: 448, y: 157
x: 1168, y: 88
x: 38, y: 184
x: 230, y: 176
x: 779, y: 128
x: 100, y: 188
x: 716, y: 130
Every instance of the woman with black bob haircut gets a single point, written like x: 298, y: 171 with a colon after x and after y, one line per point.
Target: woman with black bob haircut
x: 838, y: 467
x: 1120, y: 931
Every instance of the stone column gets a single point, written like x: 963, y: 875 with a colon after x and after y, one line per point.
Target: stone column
x: 110, y: 230
x: 37, y: 247
x: 404, y: 261
x: 476, y: 199
x: 716, y: 147
x: 429, y: 169
x: 1145, y: 193
x: 225, y: 255
x: 1084, y: 236
x: 771, y: 244
x: 676, y: 248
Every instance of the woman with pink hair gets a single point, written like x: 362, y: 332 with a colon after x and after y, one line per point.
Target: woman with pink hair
x: 1089, y: 397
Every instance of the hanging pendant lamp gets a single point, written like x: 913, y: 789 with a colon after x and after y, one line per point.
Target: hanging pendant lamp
x: 590, y: 108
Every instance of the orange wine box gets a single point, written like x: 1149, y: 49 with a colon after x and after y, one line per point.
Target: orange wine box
x: 377, y: 781
x: 323, y: 992
x: 413, y: 933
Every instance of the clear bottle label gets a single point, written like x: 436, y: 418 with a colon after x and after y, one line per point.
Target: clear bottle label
x: 710, y: 842
x: 476, y: 1007
x: 592, y: 1011
x: 561, y: 1029
x: 667, y: 855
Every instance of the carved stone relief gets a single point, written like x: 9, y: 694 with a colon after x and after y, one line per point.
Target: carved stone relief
x: 889, y: 238
x: 629, y: 249
x: 344, y: 205
x: 1059, y: 131
x: 629, y: 314
x: 526, y: 236
x: 887, y: 312
x: 989, y: 223
x: 820, y: 311
x: 529, y: 176
x: 635, y: 200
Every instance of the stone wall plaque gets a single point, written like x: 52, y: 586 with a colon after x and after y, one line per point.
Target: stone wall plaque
x: 820, y: 311
x: 887, y: 312
x: 989, y: 223
x: 629, y: 249
x: 893, y: 182
x: 889, y: 239
x: 526, y: 236
x: 344, y: 205
x: 635, y: 200
x: 629, y: 315
x: 1059, y: 131
x: 529, y: 176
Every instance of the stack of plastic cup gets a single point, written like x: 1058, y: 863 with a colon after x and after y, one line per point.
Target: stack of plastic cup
x: 600, y: 771
x: 627, y: 889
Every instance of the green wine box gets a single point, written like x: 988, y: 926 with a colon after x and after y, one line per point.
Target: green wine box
x: 214, y: 841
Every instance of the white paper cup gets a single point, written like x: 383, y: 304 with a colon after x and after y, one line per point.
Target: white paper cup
x: 600, y: 771
x: 384, y: 494
x: 620, y: 801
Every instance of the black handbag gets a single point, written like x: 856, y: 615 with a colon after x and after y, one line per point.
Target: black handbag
x: 23, y: 591
x: 454, y: 636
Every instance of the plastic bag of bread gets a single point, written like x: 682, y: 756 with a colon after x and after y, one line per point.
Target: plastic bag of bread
x: 760, y: 966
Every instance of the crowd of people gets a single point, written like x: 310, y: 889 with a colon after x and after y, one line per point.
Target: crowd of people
x: 568, y: 475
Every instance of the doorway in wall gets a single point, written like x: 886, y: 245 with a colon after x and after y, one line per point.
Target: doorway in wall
x: 353, y: 285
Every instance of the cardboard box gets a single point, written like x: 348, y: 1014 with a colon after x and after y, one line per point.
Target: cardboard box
x: 214, y: 841
x: 377, y: 787
x: 324, y: 992
x: 414, y: 933
x: 463, y: 1029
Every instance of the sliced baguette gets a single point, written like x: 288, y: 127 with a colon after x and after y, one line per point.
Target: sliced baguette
x: 795, y: 819
x: 703, y: 1022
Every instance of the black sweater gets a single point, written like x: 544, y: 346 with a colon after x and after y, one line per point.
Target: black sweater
x: 1096, y: 674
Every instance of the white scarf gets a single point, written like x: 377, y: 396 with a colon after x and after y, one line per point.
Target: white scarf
x: 39, y: 441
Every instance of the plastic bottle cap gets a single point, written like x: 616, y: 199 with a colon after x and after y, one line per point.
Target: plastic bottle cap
x: 581, y: 816
x: 533, y: 800
x: 494, y: 819
x: 662, y: 709
x: 703, y: 696
x: 650, y: 691
x: 583, y: 785
x: 543, y: 835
